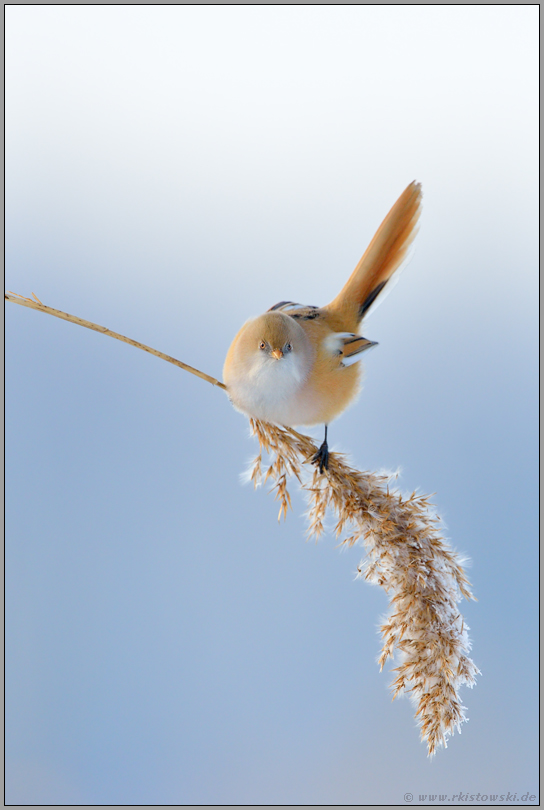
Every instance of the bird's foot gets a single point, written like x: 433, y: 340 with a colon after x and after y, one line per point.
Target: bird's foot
x: 321, y: 458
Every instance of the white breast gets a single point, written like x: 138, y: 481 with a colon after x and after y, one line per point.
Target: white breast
x: 268, y: 389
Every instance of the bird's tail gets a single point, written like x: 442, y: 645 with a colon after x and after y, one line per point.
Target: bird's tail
x: 383, y: 256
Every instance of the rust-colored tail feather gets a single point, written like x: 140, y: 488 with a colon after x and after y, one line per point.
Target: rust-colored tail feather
x: 383, y: 256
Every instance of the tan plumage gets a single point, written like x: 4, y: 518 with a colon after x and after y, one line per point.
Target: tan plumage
x: 293, y: 365
x: 383, y: 256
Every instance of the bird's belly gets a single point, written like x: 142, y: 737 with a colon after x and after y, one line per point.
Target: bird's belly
x: 323, y: 399
x: 274, y: 398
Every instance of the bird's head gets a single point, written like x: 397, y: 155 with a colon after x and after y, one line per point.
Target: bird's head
x: 275, y: 335
x: 273, y: 344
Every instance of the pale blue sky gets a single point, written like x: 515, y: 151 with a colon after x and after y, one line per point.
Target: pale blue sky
x: 171, y: 171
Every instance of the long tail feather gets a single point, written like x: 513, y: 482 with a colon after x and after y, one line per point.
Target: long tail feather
x: 383, y: 256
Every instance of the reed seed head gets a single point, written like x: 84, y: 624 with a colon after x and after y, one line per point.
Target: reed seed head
x: 406, y: 555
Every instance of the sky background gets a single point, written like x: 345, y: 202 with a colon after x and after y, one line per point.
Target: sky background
x: 170, y: 172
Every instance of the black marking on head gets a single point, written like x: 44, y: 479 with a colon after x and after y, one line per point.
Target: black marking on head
x: 369, y: 300
x: 310, y: 316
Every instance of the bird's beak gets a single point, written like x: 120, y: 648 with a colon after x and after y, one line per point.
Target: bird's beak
x: 277, y: 353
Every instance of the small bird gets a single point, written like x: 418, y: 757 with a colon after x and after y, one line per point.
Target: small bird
x: 298, y: 365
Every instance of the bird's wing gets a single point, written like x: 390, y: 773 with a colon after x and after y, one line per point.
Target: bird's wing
x: 347, y: 346
x: 352, y: 347
x: 355, y: 344
x: 286, y: 306
x: 297, y: 311
x: 283, y: 306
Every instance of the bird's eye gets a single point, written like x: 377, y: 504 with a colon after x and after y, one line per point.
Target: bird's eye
x: 288, y: 347
x: 262, y: 345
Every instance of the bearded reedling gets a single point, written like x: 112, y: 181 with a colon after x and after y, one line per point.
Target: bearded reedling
x: 298, y: 365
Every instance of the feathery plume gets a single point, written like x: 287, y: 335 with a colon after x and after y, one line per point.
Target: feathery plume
x: 406, y: 556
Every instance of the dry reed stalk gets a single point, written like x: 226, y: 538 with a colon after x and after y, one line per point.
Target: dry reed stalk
x: 406, y: 555
x: 15, y: 298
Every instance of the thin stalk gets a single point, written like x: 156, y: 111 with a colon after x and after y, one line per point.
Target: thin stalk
x: 37, y: 304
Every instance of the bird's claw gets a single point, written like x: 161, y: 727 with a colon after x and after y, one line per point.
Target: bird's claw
x: 321, y: 458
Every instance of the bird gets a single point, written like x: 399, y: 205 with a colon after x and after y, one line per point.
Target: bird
x: 299, y: 365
